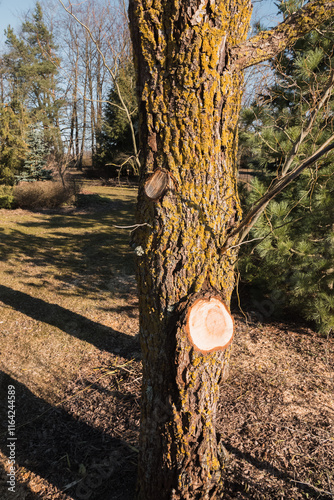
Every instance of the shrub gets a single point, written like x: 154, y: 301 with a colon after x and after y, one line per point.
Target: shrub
x: 6, y: 196
x: 42, y: 194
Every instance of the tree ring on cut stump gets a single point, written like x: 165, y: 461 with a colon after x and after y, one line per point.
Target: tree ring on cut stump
x: 209, y: 325
x: 157, y: 184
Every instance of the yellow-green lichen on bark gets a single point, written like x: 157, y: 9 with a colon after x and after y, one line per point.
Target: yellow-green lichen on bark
x: 189, y: 102
x: 191, y: 152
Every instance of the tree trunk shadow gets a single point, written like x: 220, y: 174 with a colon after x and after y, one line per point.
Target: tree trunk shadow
x: 74, y: 457
x: 102, y: 337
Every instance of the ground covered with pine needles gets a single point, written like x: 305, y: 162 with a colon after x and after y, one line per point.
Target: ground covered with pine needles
x: 69, y: 345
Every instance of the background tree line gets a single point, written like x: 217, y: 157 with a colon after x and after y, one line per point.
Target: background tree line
x: 57, y: 93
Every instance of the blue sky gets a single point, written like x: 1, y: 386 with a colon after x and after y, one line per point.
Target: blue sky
x: 11, y: 12
x: 266, y: 12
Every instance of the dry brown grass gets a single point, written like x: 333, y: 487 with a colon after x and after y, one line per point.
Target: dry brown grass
x: 68, y: 336
x: 43, y: 194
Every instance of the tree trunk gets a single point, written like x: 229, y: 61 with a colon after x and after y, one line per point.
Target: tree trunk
x: 99, y: 90
x: 74, y: 138
x: 189, y: 105
x: 84, y: 108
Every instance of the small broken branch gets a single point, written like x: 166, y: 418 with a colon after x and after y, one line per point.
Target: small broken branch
x: 157, y: 184
x: 134, y: 226
x: 318, y: 490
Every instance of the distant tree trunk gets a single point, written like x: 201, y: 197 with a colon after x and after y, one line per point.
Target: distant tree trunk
x: 189, y: 57
x: 84, y: 125
x: 74, y: 133
x: 84, y: 104
x: 99, y: 108
x: 92, y: 108
x: 73, y: 122
x: 189, y: 106
x: 77, y: 139
x: 89, y: 86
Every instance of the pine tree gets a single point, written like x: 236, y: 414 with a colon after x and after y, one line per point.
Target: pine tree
x: 31, y: 65
x: 293, y: 263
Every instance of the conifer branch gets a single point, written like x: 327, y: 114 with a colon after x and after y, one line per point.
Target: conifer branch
x: 268, y: 44
x: 312, y: 118
x: 250, y: 219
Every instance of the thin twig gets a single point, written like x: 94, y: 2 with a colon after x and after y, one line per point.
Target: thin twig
x: 249, y: 241
x: 135, y: 226
x: 323, y: 492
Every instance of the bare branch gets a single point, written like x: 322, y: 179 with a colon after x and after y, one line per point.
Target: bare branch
x: 113, y: 76
x: 134, y: 226
x: 268, y: 44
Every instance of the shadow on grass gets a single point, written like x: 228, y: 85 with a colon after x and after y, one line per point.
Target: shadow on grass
x: 102, y: 337
x: 73, y: 456
x: 64, y: 246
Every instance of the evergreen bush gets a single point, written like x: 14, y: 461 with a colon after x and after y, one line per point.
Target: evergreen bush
x: 292, y: 256
x: 6, y: 196
x: 34, y: 168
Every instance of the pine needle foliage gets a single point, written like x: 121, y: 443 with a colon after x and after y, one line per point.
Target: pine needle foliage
x: 293, y: 259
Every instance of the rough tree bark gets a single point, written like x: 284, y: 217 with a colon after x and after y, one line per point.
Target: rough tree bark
x: 189, y: 56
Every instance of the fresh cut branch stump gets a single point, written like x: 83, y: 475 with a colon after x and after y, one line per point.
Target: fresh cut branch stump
x: 209, y: 325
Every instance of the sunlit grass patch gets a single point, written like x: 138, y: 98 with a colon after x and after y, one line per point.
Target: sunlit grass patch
x: 63, y: 277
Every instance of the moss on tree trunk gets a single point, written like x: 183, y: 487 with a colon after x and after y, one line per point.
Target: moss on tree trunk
x: 189, y: 106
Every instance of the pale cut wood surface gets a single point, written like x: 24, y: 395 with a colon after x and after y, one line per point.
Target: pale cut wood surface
x: 209, y: 325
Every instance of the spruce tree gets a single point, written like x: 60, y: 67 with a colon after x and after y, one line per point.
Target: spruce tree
x: 291, y: 260
x: 34, y: 168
